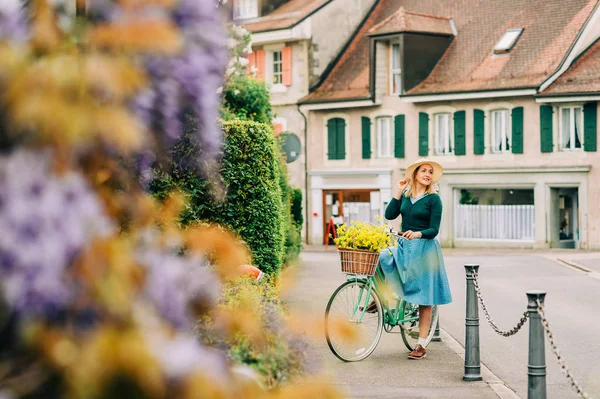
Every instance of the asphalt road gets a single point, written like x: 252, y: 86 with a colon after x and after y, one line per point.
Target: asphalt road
x: 572, y: 303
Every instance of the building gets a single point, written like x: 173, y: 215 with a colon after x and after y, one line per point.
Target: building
x: 502, y: 93
x: 293, y: 43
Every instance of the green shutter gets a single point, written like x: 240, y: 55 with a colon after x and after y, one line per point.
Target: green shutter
x: 590, y: 135
x: 546, y: 128
x: 478, y: 132
x: 517, y: 130
x: 366, y: 137
x: 331, y: 139
x: 460, y: 145
x: 399, y: 136
x: 423, y: 134
x: 341, y: 139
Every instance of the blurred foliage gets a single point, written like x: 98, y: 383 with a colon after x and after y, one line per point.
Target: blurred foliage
x: 100, y: 284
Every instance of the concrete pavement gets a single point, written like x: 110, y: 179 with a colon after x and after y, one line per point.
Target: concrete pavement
x: 387, y: 373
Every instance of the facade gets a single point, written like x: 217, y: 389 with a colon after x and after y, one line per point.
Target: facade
x: 506, y: 104
x: 293, y: 43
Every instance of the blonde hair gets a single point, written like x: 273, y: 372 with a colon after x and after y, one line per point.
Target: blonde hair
x: 411, y: 191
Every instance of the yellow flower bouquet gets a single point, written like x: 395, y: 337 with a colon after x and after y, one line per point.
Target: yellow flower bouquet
x: 363, y: 236
x: 359, y: 246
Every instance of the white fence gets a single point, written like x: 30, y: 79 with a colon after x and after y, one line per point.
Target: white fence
x: 495, y: 222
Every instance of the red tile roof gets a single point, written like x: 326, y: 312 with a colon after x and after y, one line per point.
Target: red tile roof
x: 550, y: 27
x: 582, y: 77
x: 285, y: 16
x: 404, y: 21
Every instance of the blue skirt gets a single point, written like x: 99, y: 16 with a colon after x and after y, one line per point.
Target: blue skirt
x: 415, y: 271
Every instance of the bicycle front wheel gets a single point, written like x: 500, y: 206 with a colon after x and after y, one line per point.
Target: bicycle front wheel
x: 409, y: 324
x: 352, y: 327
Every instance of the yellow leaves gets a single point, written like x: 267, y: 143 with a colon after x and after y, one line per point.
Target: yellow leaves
x: 221, y: 246
x: 111, y: 273
x: 146, y: 36
x: 314, y: 327
x: 46, y: 35
x: 308, y: 389
x: 91, y: 361
x: 74, y: 99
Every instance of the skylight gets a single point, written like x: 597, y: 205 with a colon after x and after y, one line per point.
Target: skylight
x: 507, y: 41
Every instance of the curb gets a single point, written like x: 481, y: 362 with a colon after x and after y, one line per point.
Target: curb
x: 580, y: 268
x: 492, y: 380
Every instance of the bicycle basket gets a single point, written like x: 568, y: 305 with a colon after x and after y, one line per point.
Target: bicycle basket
x: 355, y: 261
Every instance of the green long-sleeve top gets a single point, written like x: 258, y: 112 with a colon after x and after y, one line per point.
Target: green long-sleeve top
x: 424, y: 215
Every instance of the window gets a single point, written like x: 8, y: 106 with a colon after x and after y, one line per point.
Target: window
x: 500, y: 137
x: 507, y: 41
x: 570, y: 128
x: 385, y: 145
x: 245, y: 9
x: 277, y: 67
x: 395, y: 76
x: 443, y: 134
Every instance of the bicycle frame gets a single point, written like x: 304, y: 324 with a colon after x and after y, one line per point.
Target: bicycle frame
x: 391, y: 316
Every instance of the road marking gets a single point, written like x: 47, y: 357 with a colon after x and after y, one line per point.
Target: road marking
x: 498, y: 386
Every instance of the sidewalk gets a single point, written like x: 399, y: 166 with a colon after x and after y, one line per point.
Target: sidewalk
x: 387, y: 373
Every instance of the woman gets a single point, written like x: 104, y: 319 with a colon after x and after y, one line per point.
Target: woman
x: 415, y: 268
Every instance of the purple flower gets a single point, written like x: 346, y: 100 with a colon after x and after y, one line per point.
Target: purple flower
x: 45, y: 220
x: 175, y: 283
x: 183, y: 354
x: 13, y: 21
x: 189, y: 81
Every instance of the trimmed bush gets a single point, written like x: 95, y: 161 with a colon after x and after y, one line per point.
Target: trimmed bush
x: 253, y: 206
x: 246, y: 98
x: 293, y: 236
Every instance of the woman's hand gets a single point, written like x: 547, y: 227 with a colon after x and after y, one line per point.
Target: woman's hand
x: 410, y: 235
x: 401, y: 187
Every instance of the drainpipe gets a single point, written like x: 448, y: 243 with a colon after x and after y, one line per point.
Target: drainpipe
x: 306, y: 219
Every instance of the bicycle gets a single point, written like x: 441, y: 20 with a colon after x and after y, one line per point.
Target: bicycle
x: 352, y: 299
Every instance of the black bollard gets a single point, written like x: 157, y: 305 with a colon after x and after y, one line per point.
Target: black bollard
x: 536, y: 368
x: 472, y: 361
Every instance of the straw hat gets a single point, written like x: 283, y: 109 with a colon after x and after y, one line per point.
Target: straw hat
x: 437, y: 169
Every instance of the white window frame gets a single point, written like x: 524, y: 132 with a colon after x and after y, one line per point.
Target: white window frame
x: 505, y: 135
x: 384, y: 151
x: 270, y: 70
x: 274, y: 63
x: 395, y: 71
x: 449, y: 134
x: 245, y: 9
x: 571, y: 132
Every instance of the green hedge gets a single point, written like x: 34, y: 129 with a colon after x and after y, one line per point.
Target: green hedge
x: 253, y: 206
x: 292, y: 231
x: 246, y: 98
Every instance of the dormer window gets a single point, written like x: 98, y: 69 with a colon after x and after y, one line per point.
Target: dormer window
x: 244, y: 9
x: 395, y: 71
x: 508, y: 40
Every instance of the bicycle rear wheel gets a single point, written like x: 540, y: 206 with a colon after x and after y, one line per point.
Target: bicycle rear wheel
x: 410, y: 327
x: 352, y: 334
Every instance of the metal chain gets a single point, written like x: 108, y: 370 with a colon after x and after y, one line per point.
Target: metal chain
x: 566, y: 371
x: 491, y: 321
